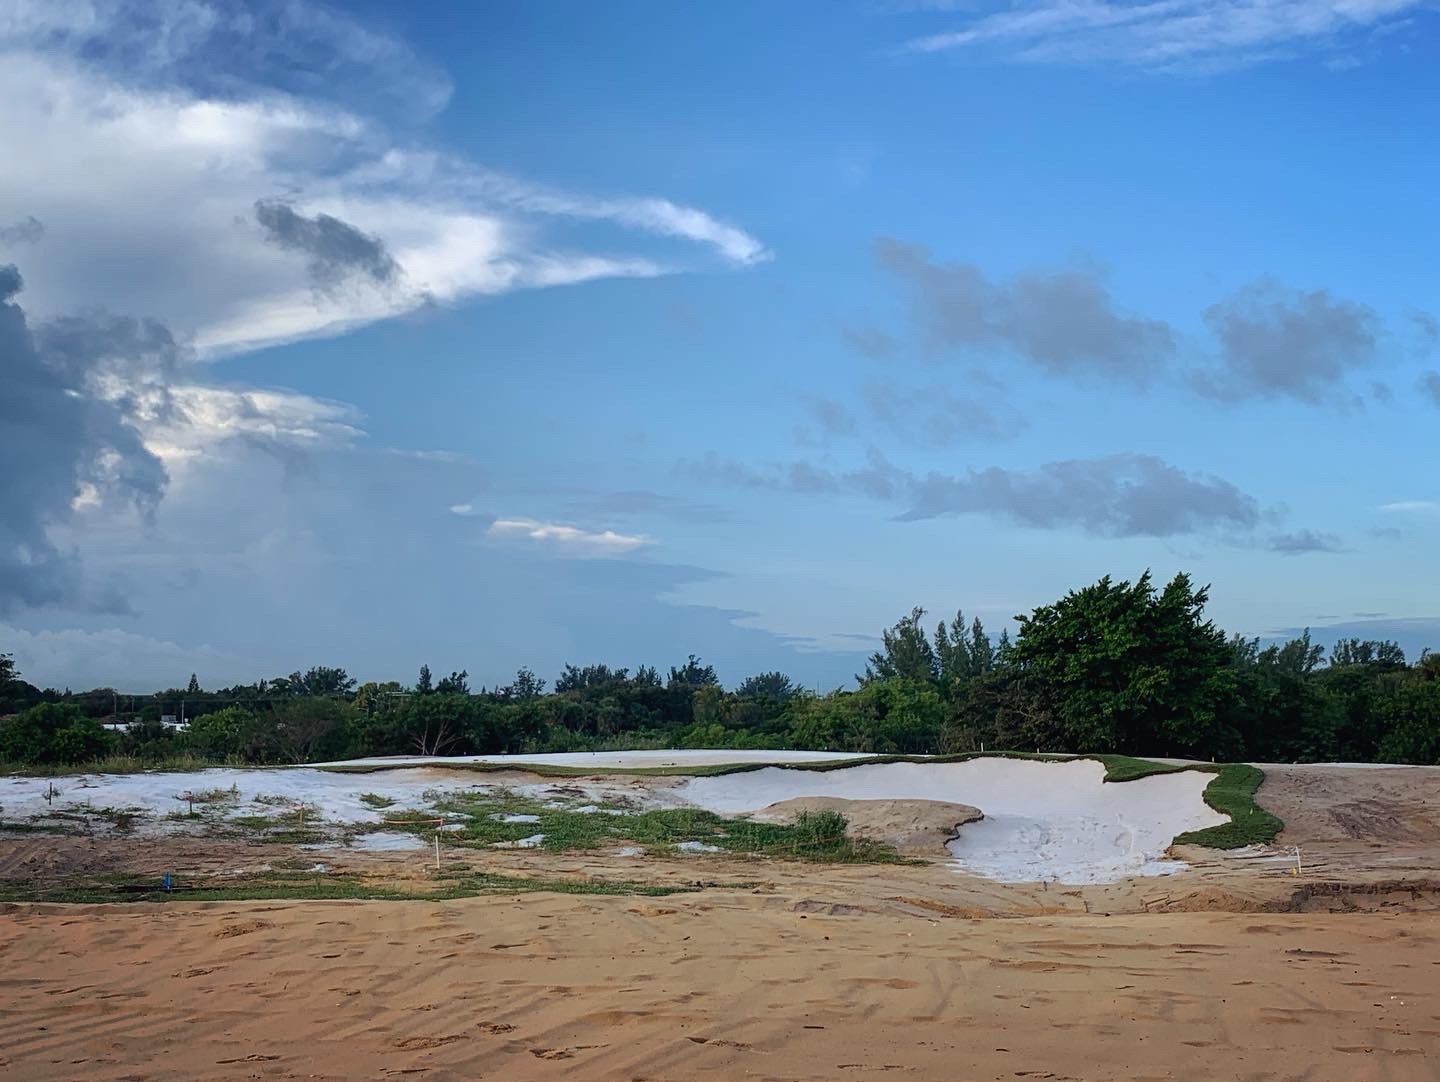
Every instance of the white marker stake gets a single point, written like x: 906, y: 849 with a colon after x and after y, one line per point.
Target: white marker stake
x: 1299, y: 868
x: 437, y: 848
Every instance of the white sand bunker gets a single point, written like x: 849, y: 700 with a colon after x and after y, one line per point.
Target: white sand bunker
x: 1054, y: 821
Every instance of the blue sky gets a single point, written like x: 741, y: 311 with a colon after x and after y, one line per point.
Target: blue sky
x: 552, y: 332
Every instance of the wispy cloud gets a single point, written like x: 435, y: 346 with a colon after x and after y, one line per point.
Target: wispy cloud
x: 1172, y: 34
x: 1300, y: 542
x: 293, y: 46
x: 1409, y: 506
x: 568, y: 540
x: 935, y: 417
x: 650, y: 214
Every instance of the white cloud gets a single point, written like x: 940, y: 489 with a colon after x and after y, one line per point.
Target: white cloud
x: 570, y: 540
x: 650, y: 214
x: 146, y: 179
x: 199, y: 418
x: 462, y: 509
x: 1163, y: 34
x: 1405, y: 506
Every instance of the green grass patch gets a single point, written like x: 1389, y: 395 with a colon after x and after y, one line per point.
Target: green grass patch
x: 315, y: 886
x: 375, y: 800
x: 32, y: 826
x: 487, y: 818
x: 1233, y: 793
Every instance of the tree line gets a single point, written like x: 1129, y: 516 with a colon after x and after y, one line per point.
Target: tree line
x: 1124, y: 667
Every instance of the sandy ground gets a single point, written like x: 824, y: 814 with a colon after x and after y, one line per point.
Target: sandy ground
x: 1236, y: 968
x: 548, y: 986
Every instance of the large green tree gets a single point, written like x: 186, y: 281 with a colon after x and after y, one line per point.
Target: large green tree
x: 1130, y: 668
x: 905, y: 653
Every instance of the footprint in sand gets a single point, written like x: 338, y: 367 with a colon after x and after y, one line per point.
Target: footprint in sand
x: 244, y: 927
x: 720, y: 1042
x: 410, y: 1044
x: 562, y: 1053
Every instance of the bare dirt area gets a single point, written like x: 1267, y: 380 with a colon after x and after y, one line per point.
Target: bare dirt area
x: 1382, y: 808
x: 1237, y: 967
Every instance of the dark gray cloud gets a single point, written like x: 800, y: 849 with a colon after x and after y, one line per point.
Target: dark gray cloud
x: 63, y: 442
x: 1126, y: 495
x: 1278, y: 342
x: 928, y: 416
x: 878, y: 479
x: 336, y: 249
x: 1430, y: 386
x: 1300, y: 542
x: 1063, y: 321
x: 26, y: 231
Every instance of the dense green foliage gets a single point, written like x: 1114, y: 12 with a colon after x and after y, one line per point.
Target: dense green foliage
x: 1117, y: 668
